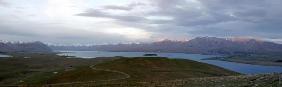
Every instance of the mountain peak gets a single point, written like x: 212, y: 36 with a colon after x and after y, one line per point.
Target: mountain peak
x: 208, y: 39
x: 28, y: 47
x: 245, y: 39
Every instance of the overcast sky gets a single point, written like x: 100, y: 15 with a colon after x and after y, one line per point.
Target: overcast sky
x: 126, y: 21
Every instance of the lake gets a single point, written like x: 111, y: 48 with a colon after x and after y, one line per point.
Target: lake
x: 3, y: 55
x: 238, y: 67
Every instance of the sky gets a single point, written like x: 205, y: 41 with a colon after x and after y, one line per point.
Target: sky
x: 70, y: 22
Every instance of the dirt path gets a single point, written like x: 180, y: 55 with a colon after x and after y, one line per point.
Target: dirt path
x: 85, y: 82
x: 108, y: 70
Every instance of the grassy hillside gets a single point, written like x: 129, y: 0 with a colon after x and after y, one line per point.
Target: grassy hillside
x: 263, y: 80
x: 142, y: 69
x: 161, y: 72
x: 84, y: 74
x: 163, y: 68
x: 37, y: 68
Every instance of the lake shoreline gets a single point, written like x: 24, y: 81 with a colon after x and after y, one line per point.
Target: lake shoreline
x: 237, y: 67
x: 246, y: 61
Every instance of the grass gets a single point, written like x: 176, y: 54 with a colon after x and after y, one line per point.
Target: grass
x: 38, y: 68
x: 263, y: 80
x: 84, y: 74
x: 106, y: 72
x: 154, y: 68
x: 142, y: 71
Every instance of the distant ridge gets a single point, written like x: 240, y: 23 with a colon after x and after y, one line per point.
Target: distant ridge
x: 213, y: 45
x: 199, y: 45
x: 26, y: 47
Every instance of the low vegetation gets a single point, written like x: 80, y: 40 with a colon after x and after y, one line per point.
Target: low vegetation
x: 84, y: 74
x: 38, y: 68
x: 153, y: 68
x: 56, y: 71
x: 137, y: 71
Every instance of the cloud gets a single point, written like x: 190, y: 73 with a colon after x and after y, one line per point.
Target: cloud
x: 115, y: 7
x: 127, y: 7
x: 98, y: 13
x: 212, y: 18
x: 57, y: 34
x: 88, y: 21
x: 3, y: 3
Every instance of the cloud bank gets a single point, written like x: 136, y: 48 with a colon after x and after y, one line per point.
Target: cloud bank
x: 86, y: 21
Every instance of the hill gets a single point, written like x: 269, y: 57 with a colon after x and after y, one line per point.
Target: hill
x: 143, y: 69
x: 30, y: 47
x: 199, y: 45
x: 38, y: 67
x: 213, y: 45
x: 261, y: 80
x: 47, y: 70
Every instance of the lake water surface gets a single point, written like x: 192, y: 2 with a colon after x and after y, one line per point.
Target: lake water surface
x: 238, y: 67
x: 3, y: 55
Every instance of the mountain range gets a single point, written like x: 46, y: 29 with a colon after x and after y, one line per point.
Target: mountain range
x: 28, y: 47
x: 199, y: 45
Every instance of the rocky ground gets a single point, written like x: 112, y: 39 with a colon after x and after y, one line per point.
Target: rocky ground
x: 261, y: 80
